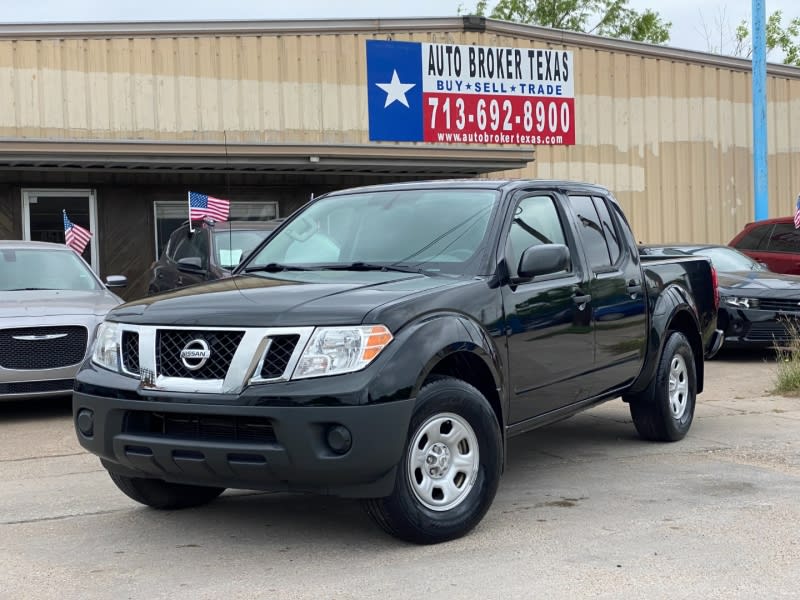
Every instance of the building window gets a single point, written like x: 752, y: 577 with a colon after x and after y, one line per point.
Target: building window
x: 170, y: 215
x: 43, y: 217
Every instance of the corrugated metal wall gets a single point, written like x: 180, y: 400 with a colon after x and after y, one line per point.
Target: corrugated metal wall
x: 670, y: 137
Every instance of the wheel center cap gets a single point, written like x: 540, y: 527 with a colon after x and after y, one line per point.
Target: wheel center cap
x: 438, y: 460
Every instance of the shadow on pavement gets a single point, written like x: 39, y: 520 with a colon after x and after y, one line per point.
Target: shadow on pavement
x: 54, y: 406
x: 745, y: 355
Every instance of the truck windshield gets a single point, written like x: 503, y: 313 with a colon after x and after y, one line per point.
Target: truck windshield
x: 427, y: 230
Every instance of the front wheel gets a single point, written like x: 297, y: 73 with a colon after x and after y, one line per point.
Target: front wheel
x: 664, y: 411
x: 450, y: 469
x: 162, y: 494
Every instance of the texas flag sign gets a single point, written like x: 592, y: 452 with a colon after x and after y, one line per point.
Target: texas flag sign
x: 394, y: 91
x: 451, y: 93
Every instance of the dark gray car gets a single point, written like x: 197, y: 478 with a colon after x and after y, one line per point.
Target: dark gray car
x: 51, y: 303
x: 209, y: 252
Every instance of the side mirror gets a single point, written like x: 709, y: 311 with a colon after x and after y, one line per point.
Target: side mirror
x: 543, y: 259
x: 190, y: 264
x: 116, y: 281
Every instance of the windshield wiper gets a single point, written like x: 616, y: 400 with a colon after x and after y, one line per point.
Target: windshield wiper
x: 26, y: 289
x: 276, y: 268
x: 364, y: 266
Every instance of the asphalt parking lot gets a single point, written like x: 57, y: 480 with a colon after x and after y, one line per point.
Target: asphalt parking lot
x: 585, y: 509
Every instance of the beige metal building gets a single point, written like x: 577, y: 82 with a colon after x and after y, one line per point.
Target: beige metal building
x: 116, y: 122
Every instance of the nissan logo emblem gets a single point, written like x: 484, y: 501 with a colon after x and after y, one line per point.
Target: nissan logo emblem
x: 195, y: 354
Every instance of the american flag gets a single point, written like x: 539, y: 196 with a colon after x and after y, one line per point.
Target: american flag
x: 797, y: 214
x: 76, y: 236
x: 202, y: 206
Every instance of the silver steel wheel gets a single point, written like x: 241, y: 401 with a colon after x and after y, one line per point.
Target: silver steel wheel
x: 678, y: 386
x: 443, y: 461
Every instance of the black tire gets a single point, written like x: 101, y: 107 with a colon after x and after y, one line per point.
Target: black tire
x: 164, y: 495
x: 658, y: 413
x: 444, y: 406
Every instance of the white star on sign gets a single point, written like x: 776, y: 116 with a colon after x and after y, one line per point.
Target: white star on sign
x: 395, y: 90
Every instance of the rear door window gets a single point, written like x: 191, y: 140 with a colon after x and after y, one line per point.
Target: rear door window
x: 785, y: 238
x: 609, y: 230
x: 592, y: 234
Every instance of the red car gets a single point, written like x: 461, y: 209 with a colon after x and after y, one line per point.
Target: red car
x: 773, y: 242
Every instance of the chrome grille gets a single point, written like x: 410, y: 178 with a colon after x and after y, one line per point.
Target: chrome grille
x: 27, y: 348
x: 278, y: 355
x: 170, y: 342
x: 130, y: 352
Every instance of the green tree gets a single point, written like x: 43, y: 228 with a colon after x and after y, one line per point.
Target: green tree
x: 612, y: 18
x: 786, y: 39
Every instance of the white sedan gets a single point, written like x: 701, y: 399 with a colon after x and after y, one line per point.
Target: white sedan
x: 51, y: 303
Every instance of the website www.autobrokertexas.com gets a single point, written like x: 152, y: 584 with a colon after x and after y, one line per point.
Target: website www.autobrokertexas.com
x: 499, y: 138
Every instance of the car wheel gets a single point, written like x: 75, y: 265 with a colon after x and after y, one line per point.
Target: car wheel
x: 664, y: 411
x: 162, y: 494
x: 450, y: 469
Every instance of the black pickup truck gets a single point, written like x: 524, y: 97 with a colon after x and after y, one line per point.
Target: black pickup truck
x: 387, y: 341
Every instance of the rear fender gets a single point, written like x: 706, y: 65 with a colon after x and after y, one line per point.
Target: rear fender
x: 675, y: 310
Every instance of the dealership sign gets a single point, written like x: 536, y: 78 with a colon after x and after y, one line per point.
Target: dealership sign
x: 448, y: 93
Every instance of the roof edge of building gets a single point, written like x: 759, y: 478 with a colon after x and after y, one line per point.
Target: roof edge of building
x: 131, y: 155
x: 472, y: 23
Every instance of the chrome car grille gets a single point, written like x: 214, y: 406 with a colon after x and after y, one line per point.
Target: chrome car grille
x: 278, y: 355
x: 170, y: 343
x: 130, y: 352
x: 209, y: 360
x: 33, y: 348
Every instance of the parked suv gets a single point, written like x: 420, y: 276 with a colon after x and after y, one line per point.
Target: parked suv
x: 773, y: 242
x: 210, y: 252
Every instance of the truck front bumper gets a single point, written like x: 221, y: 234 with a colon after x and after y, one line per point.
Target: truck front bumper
x: 344, y: 450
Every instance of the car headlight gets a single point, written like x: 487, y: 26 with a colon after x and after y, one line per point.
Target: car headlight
x: 337, y: 350
x: 106, y: 346
x: 739, y: 302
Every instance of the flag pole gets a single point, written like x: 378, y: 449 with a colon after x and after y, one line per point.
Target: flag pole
x: 189, y: 203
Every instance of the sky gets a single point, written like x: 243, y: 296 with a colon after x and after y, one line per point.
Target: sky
x: 691, y: 19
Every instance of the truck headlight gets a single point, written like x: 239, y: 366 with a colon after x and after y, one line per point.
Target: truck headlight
x: 106, y: 346
x: 337, y: 350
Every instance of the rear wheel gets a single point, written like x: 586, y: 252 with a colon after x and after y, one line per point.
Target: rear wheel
x: 450, y: 469
x: 162, y: 494
x: 665, y: 410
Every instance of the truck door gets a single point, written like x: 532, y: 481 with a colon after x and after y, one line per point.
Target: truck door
x: 618, y: 302
x: 547, y: 318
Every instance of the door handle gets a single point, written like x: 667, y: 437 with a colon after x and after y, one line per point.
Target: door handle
x: 634, y: 287
x: 581, y: 299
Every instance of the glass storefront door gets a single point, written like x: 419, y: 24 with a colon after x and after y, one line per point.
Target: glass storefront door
x: 43, y: 221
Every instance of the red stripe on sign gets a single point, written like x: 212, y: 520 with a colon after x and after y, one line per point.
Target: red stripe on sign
x: 498, y: 119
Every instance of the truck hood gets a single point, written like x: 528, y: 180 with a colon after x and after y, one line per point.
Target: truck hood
x: 279, y: 300
x: 760, y: 284
x: 48, y: 303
